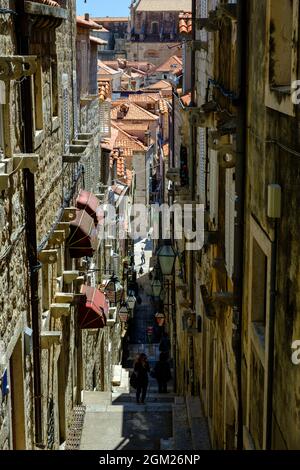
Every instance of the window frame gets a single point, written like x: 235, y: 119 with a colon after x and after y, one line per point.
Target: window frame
x: 272, y: 95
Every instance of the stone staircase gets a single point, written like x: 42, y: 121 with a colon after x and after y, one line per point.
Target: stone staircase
x: 190, y: 430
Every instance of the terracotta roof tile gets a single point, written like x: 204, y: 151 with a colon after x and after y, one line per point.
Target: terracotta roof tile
x: 104, y: 89
x: 170, y: 65
x: 132, y: 112
x: 127, y: 143
x: 144, y: 98
x: 160, y: 85
x: 163, y: 107
x: 186, y: 99
x: 83, y: 23
x: 185, y: 23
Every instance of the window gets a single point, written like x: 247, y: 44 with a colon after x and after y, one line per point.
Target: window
x: 1, y: 128
x: 280, y: 43
x: 105, y: 121
x: 54, y: 88
x: 202, y: 164
x: 259, y: 284
x: 38, y: 98
x: 229, y: 220
x: 154, y: 27
x: 282, y: 54
x: 213, y: 186
x: 66, y: 114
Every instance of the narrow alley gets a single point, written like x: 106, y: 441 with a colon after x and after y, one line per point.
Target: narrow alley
x: 114, y: 421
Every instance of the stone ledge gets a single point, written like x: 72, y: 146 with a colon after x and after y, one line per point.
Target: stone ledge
x: 39, y: 9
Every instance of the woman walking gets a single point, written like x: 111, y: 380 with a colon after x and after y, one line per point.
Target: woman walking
x: 141, y: 368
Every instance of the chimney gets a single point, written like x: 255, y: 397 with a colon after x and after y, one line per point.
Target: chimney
x: 87, y: 17
x: 147, y: 138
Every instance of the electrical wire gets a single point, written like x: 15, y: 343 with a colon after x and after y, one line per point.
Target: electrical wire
x: 291, y: 151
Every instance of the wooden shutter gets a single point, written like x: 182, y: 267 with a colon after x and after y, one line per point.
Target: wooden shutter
x: 1, y: 127
x: 229, y: 220
x: 75, y: 105
x: 202, y: 164
x: 213, y: 186
x: 105, y: 123
x: 203, y: 14
x: 66, y: 114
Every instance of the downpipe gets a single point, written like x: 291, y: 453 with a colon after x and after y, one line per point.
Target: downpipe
x: 23, y: 28
x: 242, y: 28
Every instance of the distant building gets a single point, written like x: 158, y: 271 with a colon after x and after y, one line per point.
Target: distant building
x: 153, y: 22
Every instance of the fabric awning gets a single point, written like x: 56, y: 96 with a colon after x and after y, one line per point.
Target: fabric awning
x: 91, y: 204
x: 94, y: 309
x: 83, y: 237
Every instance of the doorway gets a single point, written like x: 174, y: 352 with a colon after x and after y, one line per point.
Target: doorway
x: 17, y: 398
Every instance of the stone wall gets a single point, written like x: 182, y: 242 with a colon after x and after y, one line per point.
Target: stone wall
x: 281, y: 167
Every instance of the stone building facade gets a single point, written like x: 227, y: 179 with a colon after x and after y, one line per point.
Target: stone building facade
x: 50, y: 165
x: 236, y: 298
x: 153, y: 30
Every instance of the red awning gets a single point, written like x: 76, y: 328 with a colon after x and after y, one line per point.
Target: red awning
x: 90, y: 203
x: 83, y: 238
x: 92, y: 311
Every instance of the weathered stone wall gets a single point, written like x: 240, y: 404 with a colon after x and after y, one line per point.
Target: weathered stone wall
x: 281, y: 167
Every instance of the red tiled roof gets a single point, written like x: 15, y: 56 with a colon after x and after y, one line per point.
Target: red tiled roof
x: 132, y: 112
x: 104, y: 89
x: 144, y: 98
x: 127, y: 143
x: 160, y: 85
x: 185, y: 23
x: 82, y: 23
x: 171, y: 64
x: 186, y: 99
x: 163, y: 107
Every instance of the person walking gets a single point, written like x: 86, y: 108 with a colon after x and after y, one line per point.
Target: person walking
x: 141, y: 369
x: 162, y: 373
x: 165, y: 345
x: 143, y: 258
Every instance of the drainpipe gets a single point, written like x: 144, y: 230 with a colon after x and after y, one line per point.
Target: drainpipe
x: 242, y: 28
x: 23, y: 26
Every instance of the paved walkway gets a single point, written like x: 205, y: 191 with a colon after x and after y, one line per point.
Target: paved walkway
x: 114, y: 420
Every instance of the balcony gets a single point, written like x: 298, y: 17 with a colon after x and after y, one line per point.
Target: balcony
x: 46, y: 14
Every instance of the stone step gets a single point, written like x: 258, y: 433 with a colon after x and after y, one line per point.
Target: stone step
x: 167, y: 444
x: 96, y: 398
x: 117, y: 375
x: 123, y: 397
x: 181, y: 430
x: 148, y: 407
x: 198, y: 424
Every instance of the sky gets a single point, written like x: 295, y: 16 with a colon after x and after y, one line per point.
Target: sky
x: 103, y: 7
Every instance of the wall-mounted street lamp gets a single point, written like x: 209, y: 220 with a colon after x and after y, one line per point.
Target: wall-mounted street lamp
x: 114, y: 290
x: 157, y: 287
x: 166, y: 256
